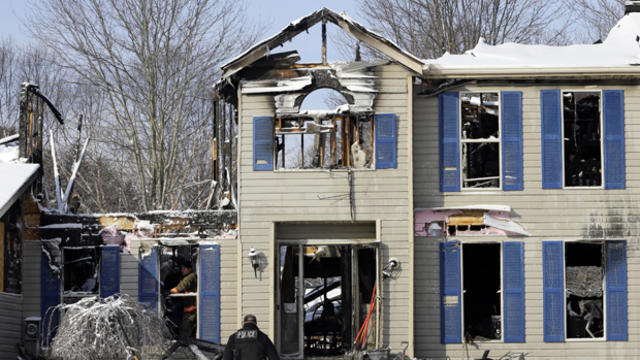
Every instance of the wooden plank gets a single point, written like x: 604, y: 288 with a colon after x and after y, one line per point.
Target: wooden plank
x: 2, y: 255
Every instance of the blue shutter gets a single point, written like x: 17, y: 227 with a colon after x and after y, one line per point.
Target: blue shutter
x: 209, y: 292
x: 616, y: 269
x: 553, y: 288
x: 450, y: 304
x: 513, y: 291
x: 386, y: 141
x: 148, y: 279
x: 449, y: 118
x: 110, y: 270
x: 550, y: 109
x: 512, y: 140
x: 263, y: 143
x: 614, y: 166
x: 49, y: 297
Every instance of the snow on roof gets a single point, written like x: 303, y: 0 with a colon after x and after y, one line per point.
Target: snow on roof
x: 14, y: 179
x: 9, y: 150
x: 621, y: 49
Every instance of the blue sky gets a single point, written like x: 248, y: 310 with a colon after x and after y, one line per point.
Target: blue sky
x: 272, y: 15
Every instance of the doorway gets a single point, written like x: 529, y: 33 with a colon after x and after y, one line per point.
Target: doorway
x: 482, y: 292
x: 326, y: 299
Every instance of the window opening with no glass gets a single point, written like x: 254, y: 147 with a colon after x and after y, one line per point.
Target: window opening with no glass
x: 584, y: 273
x: 582, y: 139
x: 480, y: 140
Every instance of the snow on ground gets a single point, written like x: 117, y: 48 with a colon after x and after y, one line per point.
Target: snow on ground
x: 620, y: 49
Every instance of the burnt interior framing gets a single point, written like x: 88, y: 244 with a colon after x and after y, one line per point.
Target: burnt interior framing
x: 331, y: 141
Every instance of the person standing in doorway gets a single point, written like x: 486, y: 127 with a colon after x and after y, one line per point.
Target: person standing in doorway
x: 188, y: 284
x: 249, y: 343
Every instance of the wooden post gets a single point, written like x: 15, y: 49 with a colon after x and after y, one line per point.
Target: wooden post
x: 332, y: 146
x: 1, y: 256
x: 347, y: 135
x: 324, y: 42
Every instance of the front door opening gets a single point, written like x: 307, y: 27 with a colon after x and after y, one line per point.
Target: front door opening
x: 178, y: 307
x: 482, y: 292
x: 584, y: 278
x: 324, y: 299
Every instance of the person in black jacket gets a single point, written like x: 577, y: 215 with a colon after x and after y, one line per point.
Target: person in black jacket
x: 249, y: 343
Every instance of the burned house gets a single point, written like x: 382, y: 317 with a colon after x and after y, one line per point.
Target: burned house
x: 474, y: 202
x: 482, y: 201
x: 17, y: 208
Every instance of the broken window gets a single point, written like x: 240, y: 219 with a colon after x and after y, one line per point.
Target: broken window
x: 80, y: 272
x: 11, y: 251
x: 584, y: 273
x: 326, y: 141
x: 178, y: 288
x: 480, y: 140
x: 582, y: 139
x: 482, y: 291
x: 325, y: 297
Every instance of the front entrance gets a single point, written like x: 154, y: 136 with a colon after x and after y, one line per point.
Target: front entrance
x: 326, y: 299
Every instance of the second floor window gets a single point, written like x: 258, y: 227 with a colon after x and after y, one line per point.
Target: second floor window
x: 328, y: 142
x: 582, y: 139
x: 480, y: 139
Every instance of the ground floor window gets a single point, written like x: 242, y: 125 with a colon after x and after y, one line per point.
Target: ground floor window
x: 482, y: 292
x: 584, y: 273
x: 326, y: 299
x: 585, y: 290
x: 80, y: 272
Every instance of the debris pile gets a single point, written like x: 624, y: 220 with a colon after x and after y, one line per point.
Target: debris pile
x: 107, y: 328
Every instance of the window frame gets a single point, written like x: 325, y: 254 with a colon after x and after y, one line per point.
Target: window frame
x: 278, y: 120
x: 603, y: 338
x: 462, y: 142
x: 463, y: 291
x: 602, y: 135
x: 79, y: 296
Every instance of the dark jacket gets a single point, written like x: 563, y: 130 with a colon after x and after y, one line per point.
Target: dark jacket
x: 249, y: 343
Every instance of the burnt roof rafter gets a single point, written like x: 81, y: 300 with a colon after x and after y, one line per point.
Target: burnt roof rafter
x: 349, y: 25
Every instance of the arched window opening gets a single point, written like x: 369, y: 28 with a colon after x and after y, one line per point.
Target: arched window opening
x: 327, y: 139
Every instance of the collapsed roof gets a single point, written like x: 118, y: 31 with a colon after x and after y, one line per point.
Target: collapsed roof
x: 264, y: 47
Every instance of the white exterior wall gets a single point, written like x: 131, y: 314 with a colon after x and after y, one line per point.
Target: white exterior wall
x: 567, y: 214
x: 270, y: 197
